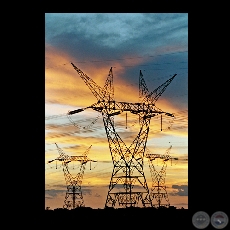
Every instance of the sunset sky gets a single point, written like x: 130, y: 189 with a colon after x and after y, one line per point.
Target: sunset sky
x: 156, y: 44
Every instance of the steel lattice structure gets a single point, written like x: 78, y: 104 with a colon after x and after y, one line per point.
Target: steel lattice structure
x: 158, y: 193
x: 128, y: 186
x: 73, y: 197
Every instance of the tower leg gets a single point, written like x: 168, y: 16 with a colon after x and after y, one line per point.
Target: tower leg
x: 128, y: 186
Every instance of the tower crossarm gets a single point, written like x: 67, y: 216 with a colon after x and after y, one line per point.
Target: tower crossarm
x: 164, y: 157
x: 113, y: 108
x: 67, y: 159
x: 82, y: 159
x: 106, y: 102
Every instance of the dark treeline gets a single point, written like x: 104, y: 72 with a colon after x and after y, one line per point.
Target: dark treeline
x: 126, y: 217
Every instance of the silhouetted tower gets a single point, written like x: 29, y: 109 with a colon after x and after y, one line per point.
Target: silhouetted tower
x: 73, y: 197
x: 128, y: 186
x: 158, y: 193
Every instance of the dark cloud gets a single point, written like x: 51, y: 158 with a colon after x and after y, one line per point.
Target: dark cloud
x: 182, y: 190
x: 86, y: 191
x: 104, y: 36
x: 111, y: 30
x: 53, y: 193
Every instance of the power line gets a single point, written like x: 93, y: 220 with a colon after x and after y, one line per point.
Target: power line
x: 131, y: 58
x: 128, y: 58
x: 55, y: 116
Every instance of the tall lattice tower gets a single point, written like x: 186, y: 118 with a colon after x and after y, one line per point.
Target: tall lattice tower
x: 73, y: 197
x: 128, y: 186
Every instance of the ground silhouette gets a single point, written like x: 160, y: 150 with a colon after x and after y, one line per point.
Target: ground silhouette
x: 132, y: 217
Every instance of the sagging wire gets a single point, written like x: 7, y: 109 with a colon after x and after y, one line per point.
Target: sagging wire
x: 70, y: 119
x: 85, y: 127
x: 93, y: 122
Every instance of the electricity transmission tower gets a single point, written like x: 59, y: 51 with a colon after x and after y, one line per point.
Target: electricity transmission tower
x: 128, y: 186
x: 73, y: 197
x: 158, y: 193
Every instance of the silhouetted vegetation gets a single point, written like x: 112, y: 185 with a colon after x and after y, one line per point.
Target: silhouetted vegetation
x: 129, y: 217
